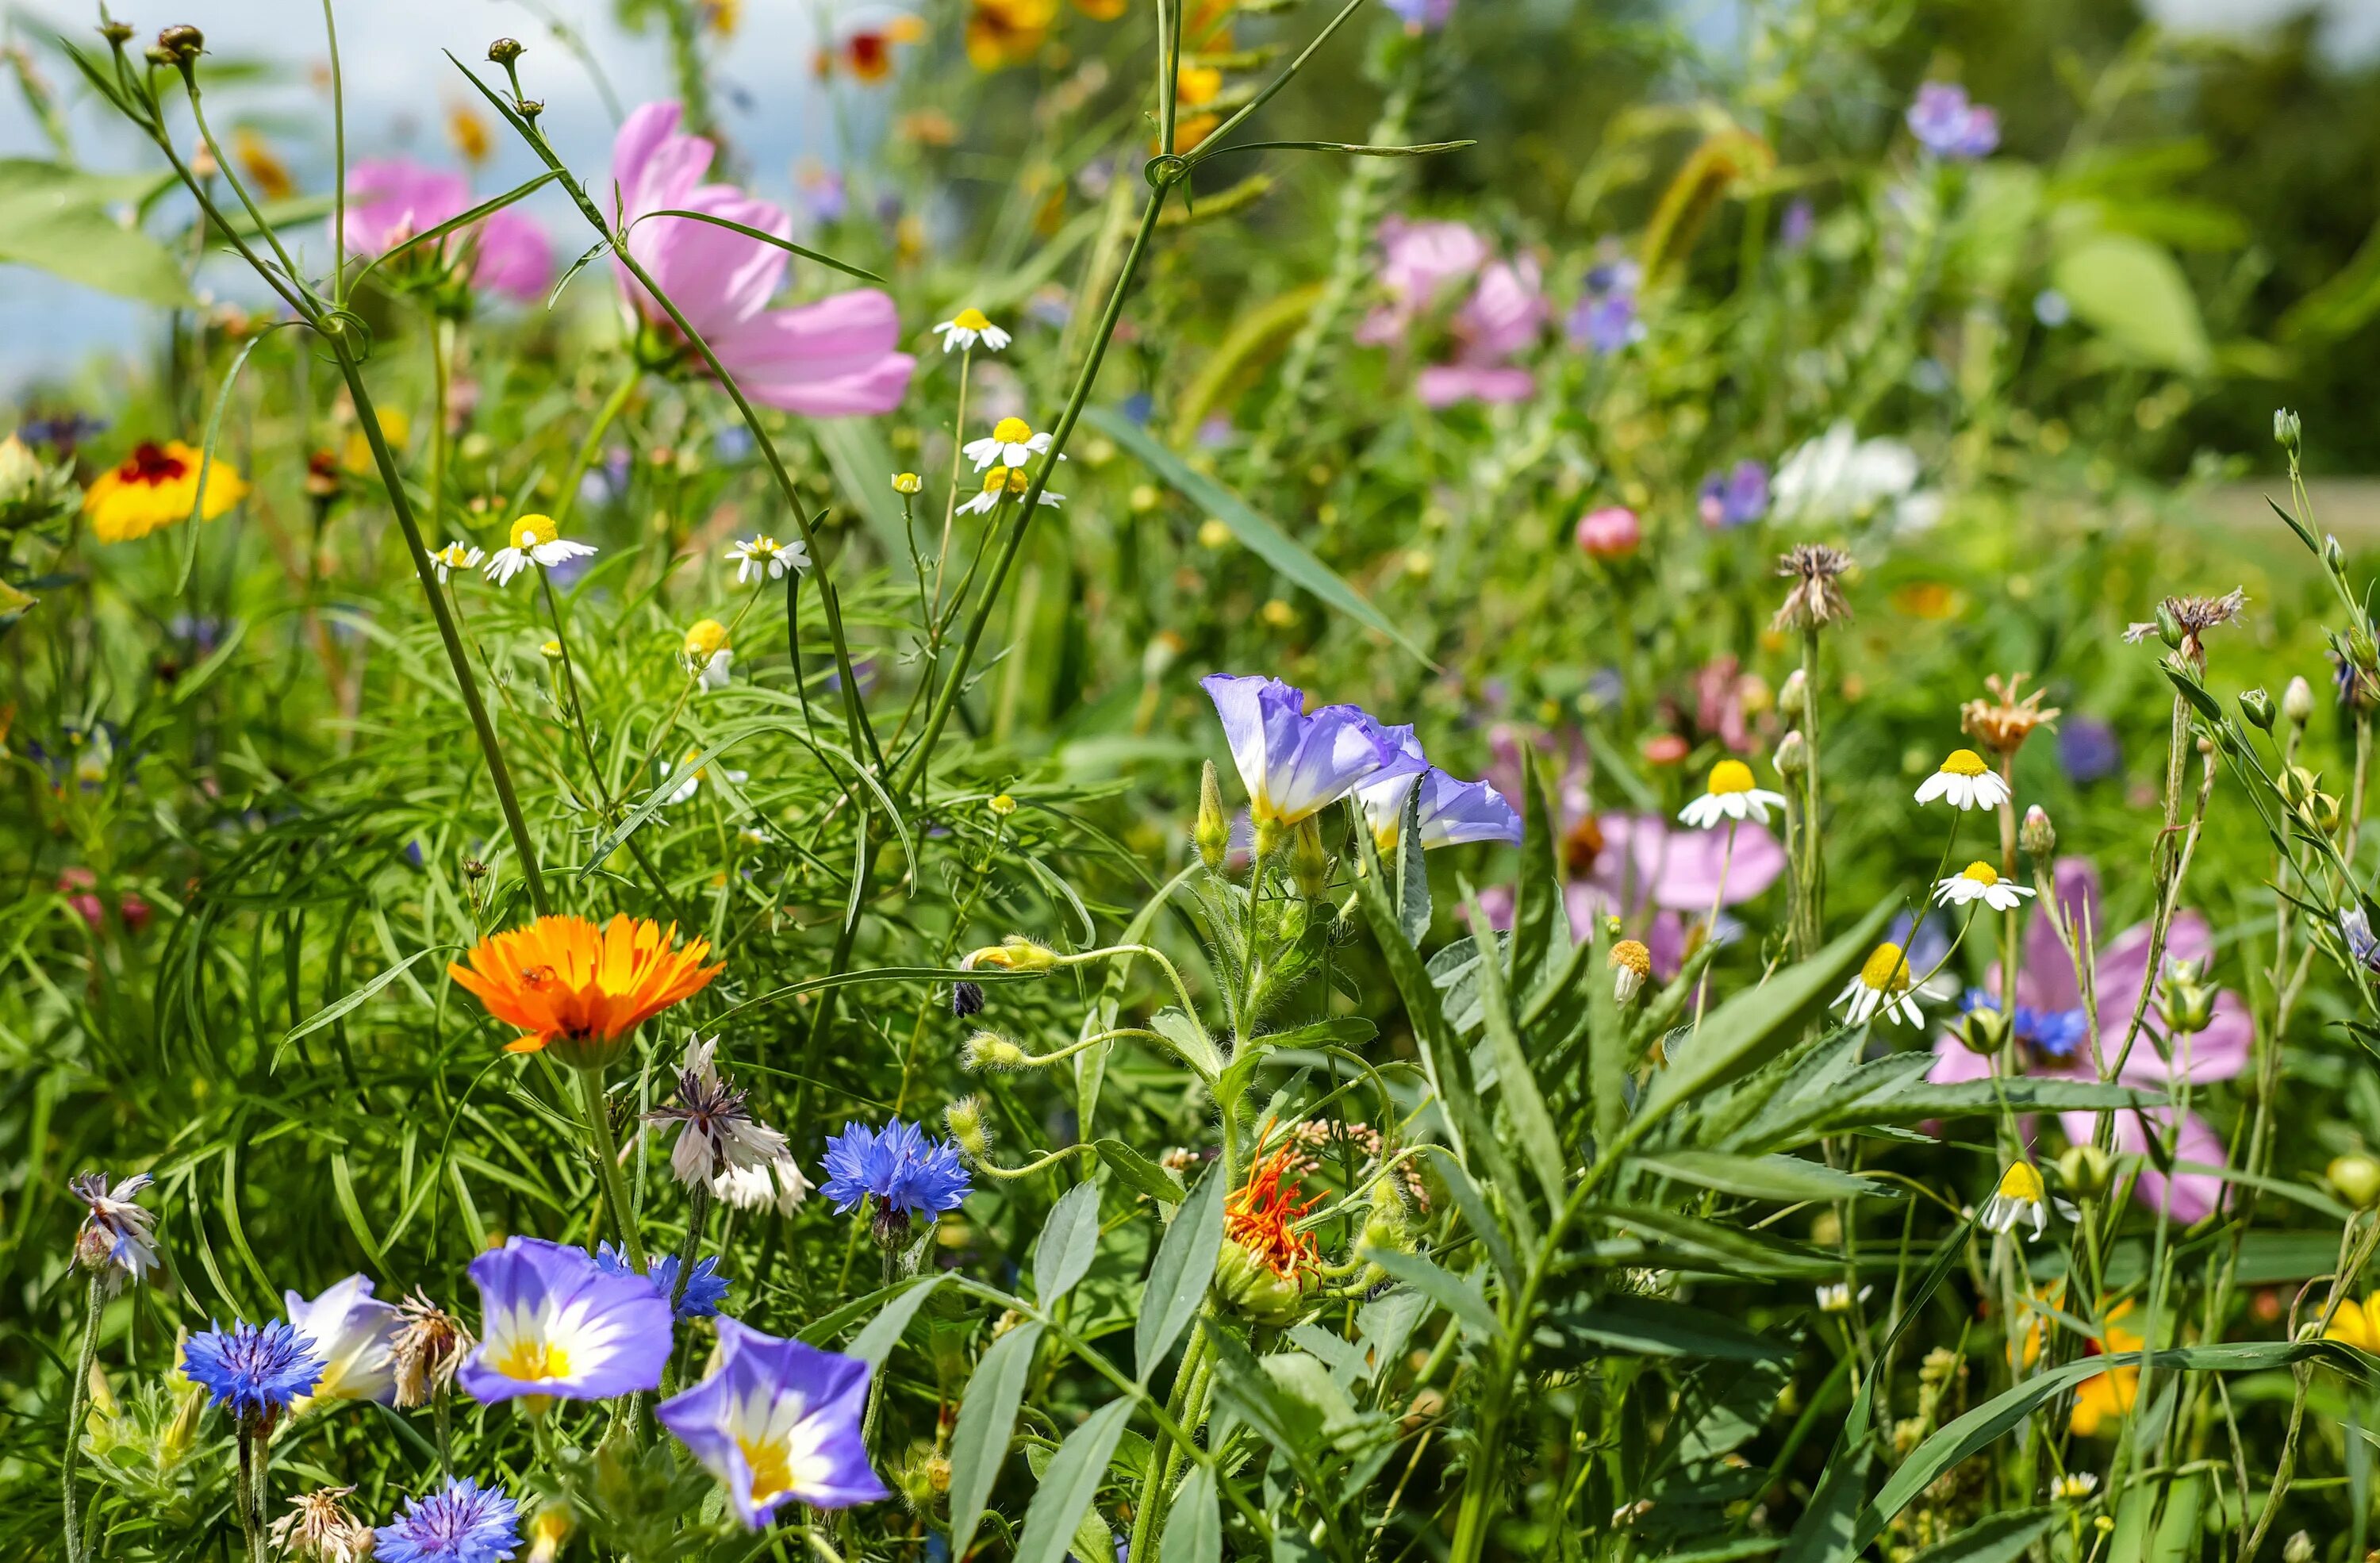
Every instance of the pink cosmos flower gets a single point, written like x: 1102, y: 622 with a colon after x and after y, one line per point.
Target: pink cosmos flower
x: 2054, y: 1039
x: 1501, y: 319
x: 1419, y: 263
x: 834, y: 358
x: 390, y: 200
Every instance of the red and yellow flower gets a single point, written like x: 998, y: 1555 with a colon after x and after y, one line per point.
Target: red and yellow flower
x: 157, y: 486
x: 571, y: 985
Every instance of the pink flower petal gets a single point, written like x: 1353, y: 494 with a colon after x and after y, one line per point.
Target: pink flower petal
x: 831, y: 359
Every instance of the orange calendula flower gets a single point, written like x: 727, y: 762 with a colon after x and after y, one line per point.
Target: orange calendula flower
x: 2105, y: 1397
x: 579, y: 988
x: 156, y: 486
x: 1261, y: 1214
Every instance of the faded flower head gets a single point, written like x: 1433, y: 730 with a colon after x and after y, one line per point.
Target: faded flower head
x: 2005, y: 721
x: 429, y: 1345
x: 719, y: 1131
x: 2188, y: 619
x: 1815, y: 598
x: 117, y: 1237
x: 318, y: 1526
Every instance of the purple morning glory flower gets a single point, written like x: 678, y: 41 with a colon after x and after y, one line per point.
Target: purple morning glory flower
x: 554, y: 1322
x: 1452, y: 812
x: 461, y: 1523
x: 905, y: 1171
x: 705, y: 1288
x: 1605, y: 322
x: 2087, y: 750
x: 1295, y: 764
x: 1735, y: 498
x: 253, y: 1373
x: 1947, y: 125
x: 779, y: 1423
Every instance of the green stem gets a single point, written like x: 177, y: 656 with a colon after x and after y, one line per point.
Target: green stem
x: 604, y: 417
x: 607, y: 1164
x: 78, y: 1404
x: 253, y: 1480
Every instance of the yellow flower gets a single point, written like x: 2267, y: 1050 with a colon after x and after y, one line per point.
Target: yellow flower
x: 1196, y: 86
x: 1007, y: 32
x: 356, y: 455
x: 2106, y: 1396
x: 469, y: 133
x: 2019, y: 1200
x: 157, y: 486
x: 262, y: 165
x: 2356, y: 1324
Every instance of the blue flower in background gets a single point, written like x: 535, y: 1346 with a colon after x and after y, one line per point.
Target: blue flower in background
x: 705, y: 1288
x: 1737, y: 497
x: 2087, y: 750
x: 254, y: 1373
x: 1605, y: 322
x: 461, y: 1523
x: 903, y: 1169
x: 1947, y: 125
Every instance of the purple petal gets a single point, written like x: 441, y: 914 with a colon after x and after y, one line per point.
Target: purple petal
x: 764, y: 1386
x: 607, y: 1333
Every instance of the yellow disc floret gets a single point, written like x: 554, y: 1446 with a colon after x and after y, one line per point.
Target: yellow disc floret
x: 705, y: 639
x: 1982, y: 873
x: 1887, y: 970
x: 1730, y: 776
x: 1964, y: 762
x: 1011, y: 432
x: 2022, y: 1181
x: 1630, y: 955
x: 534, y: 530
x: 973, y: 320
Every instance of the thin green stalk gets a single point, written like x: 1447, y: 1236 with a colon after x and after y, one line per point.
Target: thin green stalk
x: 607, y: 1163
x: 253, y: 1481
x: 78, y: 1404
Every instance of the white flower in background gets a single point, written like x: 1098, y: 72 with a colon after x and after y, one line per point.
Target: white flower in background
x: 1837, y: 1299
x: 999, y: 484
x: 2074, y: 1487
x: 968, y: 327
x: 689, y: 776
x: 534, y: 541
x: 456, y: 556
x: 1729, y: 794
x: 779, y: 1183
x: 765, y: 552
x: 1839, y: 476
x: 1966, y: 782
x: 353, y: 1333
x: 1012, y: 442
x: 1979, y: 881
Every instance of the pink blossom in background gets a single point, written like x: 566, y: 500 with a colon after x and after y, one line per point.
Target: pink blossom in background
x: 1419, y: 263
x: 1502, y: 319
x: 76, y: 885
x: 2047, y: 995
x: 390, y: 200
x: 1611, y: 532
x: 834, y: 358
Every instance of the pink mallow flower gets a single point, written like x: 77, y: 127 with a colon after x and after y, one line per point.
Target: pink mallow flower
x: 1611, y: 532
x: 392, y: 199
x: 2053, y: 1038
x: 1501, y: 319
x: 1420, y: 262
x: 834, y: 358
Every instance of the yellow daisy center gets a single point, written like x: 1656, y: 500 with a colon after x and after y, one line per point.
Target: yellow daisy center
x: 971, y: 320
x: 1886, y: 971
x: 706, y: 638
x: 1964, y: 762
x: 995, y: 479
x: 1730, y: 776
x: 762, y: 547
x: 531, y: 530
x: 1633, y: 956
x: 2022, y: 1181
x: 1011, y: 432
x: 530, y: 1360
x: 1017, y: 481
x: 1982, y: 874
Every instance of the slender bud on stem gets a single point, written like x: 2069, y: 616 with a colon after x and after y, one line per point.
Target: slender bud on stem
x: 2288, y: 431
x: 1793, y: 700
x: 2257, y: 706
x: 1792, y: 757
x: 504, y: 51
x: 1213, y: 832
x: 990, y: 1049
x: 1308, y: 862
x: 964, y: 1118
x: 2037, y: 835
x: 2087, y: 1170
x: 2296, y: 702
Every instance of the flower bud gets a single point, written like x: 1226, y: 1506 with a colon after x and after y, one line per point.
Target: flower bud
x: 1793, y: 700
x: 907, y: 483
x: 2037, y: 835
x: 1001, y: 805
x: 1792, y: 757
x: 1247, y: 1283
x: 1631, y: 963
x: 2086, y: 1171
x: 1308, y: 863
x: 967, y: 999
x: 1014, y: 953
x: 2296, y: 702
x: 1984, y: 1030
x: 1213, y: 832
x: 117, y: 33
x: 504, y: 51
x: 2299, y: 1548
x: 181, y: 43
x: 2168, y: 627
x: 2359, y: 649
x: 990, y: 1049
x: 2297, y: 785
x: 2257, y: 706
x: 2288, y: 431
x: 964, y: 1118
x: 2185, y: 1000
x: 2357, y: 1178
x: 2334, y: 556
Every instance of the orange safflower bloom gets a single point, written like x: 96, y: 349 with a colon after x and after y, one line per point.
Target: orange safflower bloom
x: 2105, y: 1396
x: 1261, y: 1214
x: 564, y: 981
x: 157, y: 486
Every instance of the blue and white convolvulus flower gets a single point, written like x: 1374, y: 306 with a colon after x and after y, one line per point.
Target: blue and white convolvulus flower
x: 705, y: 1288
x: 1295, y: 765
x: 354, y: 1332
x: 253, y: 1372
x: 461, y: 1523
x: 1452, y: 813
x: 553, y: 1322
x: 904, y: 1172
x: 778, y: 1423
x: 1979, y: 881
x: 117, y: 1237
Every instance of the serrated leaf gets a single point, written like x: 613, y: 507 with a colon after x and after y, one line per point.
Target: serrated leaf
x: 1069, y: 1242
x: 1070, y: 1483
x: 1179, y: 1276
x: 987, y: 1419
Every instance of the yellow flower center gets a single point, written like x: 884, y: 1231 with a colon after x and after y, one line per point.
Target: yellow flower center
x: 1011, y: 432
x: 972, y: 319
x: 1633, y: 956
x: 704, y: 639
x: 995, y: 480
x: 2022, y: 1181
x: 1887, y: 971
x: 531, y: 530
x: 1730, y: 776
x: 1017, y: 481
x: 1980, y: 873
x: 531, y: 1360
x: 1964, y: 762
x: 762, y: 547
x: 772, y: 1471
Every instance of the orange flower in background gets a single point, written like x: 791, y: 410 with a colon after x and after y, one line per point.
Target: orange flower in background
x: 2105, y: 1396
x: 1102, y: 10
x: 567, y: 983
x: 1261, y: 1214
x: 157, y: 486
x: 1007, y: 32
x: 468, y: 133
x: 864, y: 41
x: 262, y: 165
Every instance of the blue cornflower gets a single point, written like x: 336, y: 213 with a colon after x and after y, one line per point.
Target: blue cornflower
x: 1734, y: 498
x: 2087, y: 749
x: 254, y: 1373
x: 705, y: 1288
x: 1949, y: 126
x: 461, y: 1523
x: 2058, y: 1033
x: 905, y: 1171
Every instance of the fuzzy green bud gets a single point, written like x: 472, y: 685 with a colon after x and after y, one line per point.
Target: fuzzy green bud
x: 1308, y: 862
x: 1014, y: 953
x: 990, y: 1049
x: 2257, y: 706
x: 2037, y: 835
x: 2296, y: 702
x: 964, y: 1118
x: 2086, y: 1171
x: 2357, y: 1178
x: 1213, y: 832
x: 1246, y: 1283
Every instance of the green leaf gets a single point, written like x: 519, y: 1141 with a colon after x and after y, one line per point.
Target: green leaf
x: 1458, y: 1296
x: 1590, y: 1326
x: 987, y: 1419
x: 1413, y: 872
x: 1789, y: 1178
x: 2132, y: 292
x: 1515, y: 1082
x: 1070, y: 1483
x: 1150, y: 1177
x: 486, y: 209
x: 1070, y: 1240
x: 1190, y: 1039
x: 1733, y: 1250
x: 57, y: 218
x: 884, y: 1331
x: 2001, y: 1538
x: 862, y: 272
x: 357, y: 1000
x: 1178, y: 1277
x: 1260, y: 537
x: 1744, y: 1033
x: 1194, y: 1530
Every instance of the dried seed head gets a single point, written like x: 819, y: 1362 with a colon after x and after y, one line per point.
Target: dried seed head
x: 1816, y: 599
x: 2008, y: 717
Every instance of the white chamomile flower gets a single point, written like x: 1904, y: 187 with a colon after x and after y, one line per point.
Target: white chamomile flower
x: 1837, y: 1299
x: 1966, y: 781
x: 765, y: 552
x: 2074, y: 1487
x: 1729, y: 794
x: 1012, y: 442
x: 2020, y: 1199
x: 456, y: 556
x: 534, y: 541
x: 999, y: 484
x: 968, y: 327
x: 1882, y: 983
x: 706, y: 653
x: 689, y: 776
x: 1979, y: 881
